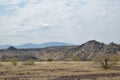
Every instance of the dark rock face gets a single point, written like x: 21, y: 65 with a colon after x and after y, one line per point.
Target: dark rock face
x: 92, y: 46
x: 89, y: 49
x: 111, y: 48
x: 86, y: 51
x: 12, y: 48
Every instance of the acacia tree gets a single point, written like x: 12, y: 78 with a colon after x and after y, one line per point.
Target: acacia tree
x: 106, y: 60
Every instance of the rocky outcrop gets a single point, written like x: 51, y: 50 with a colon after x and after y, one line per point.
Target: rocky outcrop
x: 86, y: 51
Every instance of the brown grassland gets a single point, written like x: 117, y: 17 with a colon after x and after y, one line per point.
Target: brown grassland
x: 61, y: 70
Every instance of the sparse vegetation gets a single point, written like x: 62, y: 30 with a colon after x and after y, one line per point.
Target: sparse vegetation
x: 29, y: 62
x: 14, y: 61
x: 75, y: 58
x: 106, y: 60
x: 49, y: 59
x: 58, y: 71
x: 86, y: 52
x: 73, y: 69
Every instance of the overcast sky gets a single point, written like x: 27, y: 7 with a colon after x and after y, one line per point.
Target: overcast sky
x: 71, y: 21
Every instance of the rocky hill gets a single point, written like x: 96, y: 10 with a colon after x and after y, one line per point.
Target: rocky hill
x: 86, y: 51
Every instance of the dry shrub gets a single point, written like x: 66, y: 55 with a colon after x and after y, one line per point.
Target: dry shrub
x: 29, y: 62
x: 106, y: 60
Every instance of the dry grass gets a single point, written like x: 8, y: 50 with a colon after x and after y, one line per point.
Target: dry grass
x: 57, y: 71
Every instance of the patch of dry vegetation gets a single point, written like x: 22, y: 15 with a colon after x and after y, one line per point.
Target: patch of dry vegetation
x: 58, y: 71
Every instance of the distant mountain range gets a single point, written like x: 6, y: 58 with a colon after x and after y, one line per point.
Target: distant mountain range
x: 32, y: 45
x: 4, y: 46
x: 60, y: 51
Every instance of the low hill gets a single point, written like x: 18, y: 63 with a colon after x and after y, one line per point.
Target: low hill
x: 86, y: 51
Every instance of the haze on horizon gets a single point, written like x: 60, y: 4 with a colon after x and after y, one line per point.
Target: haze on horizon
x: 70, y: 21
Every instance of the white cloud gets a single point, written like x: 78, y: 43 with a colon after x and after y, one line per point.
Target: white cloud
x: 10, y: 2
x: 72, y: 21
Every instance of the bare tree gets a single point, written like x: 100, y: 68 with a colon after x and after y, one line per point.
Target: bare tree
x: 106, y: 60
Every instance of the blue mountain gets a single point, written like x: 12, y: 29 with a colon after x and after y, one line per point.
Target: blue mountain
x: 4, y: 46
x: 43, y: 45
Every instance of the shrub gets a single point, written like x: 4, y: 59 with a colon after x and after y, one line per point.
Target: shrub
x: 14, y: 61
x: 29, y: 62
x: 49, y: 59
x: 73, y: 58
x: 106, y: 60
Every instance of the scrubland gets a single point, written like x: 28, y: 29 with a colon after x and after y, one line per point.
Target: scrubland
x: 61, y: 70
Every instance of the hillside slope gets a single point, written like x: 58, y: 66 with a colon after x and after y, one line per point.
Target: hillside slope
x: 86, y: 51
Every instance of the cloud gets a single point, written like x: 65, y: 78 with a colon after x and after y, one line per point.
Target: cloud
x: 73, y: 21
x: 11, y: 2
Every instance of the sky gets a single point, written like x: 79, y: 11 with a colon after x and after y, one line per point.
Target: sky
x: 70, y: 21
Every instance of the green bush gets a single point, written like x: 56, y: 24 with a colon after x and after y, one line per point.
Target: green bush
x: 49, y: 59
x: 6, y: 60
